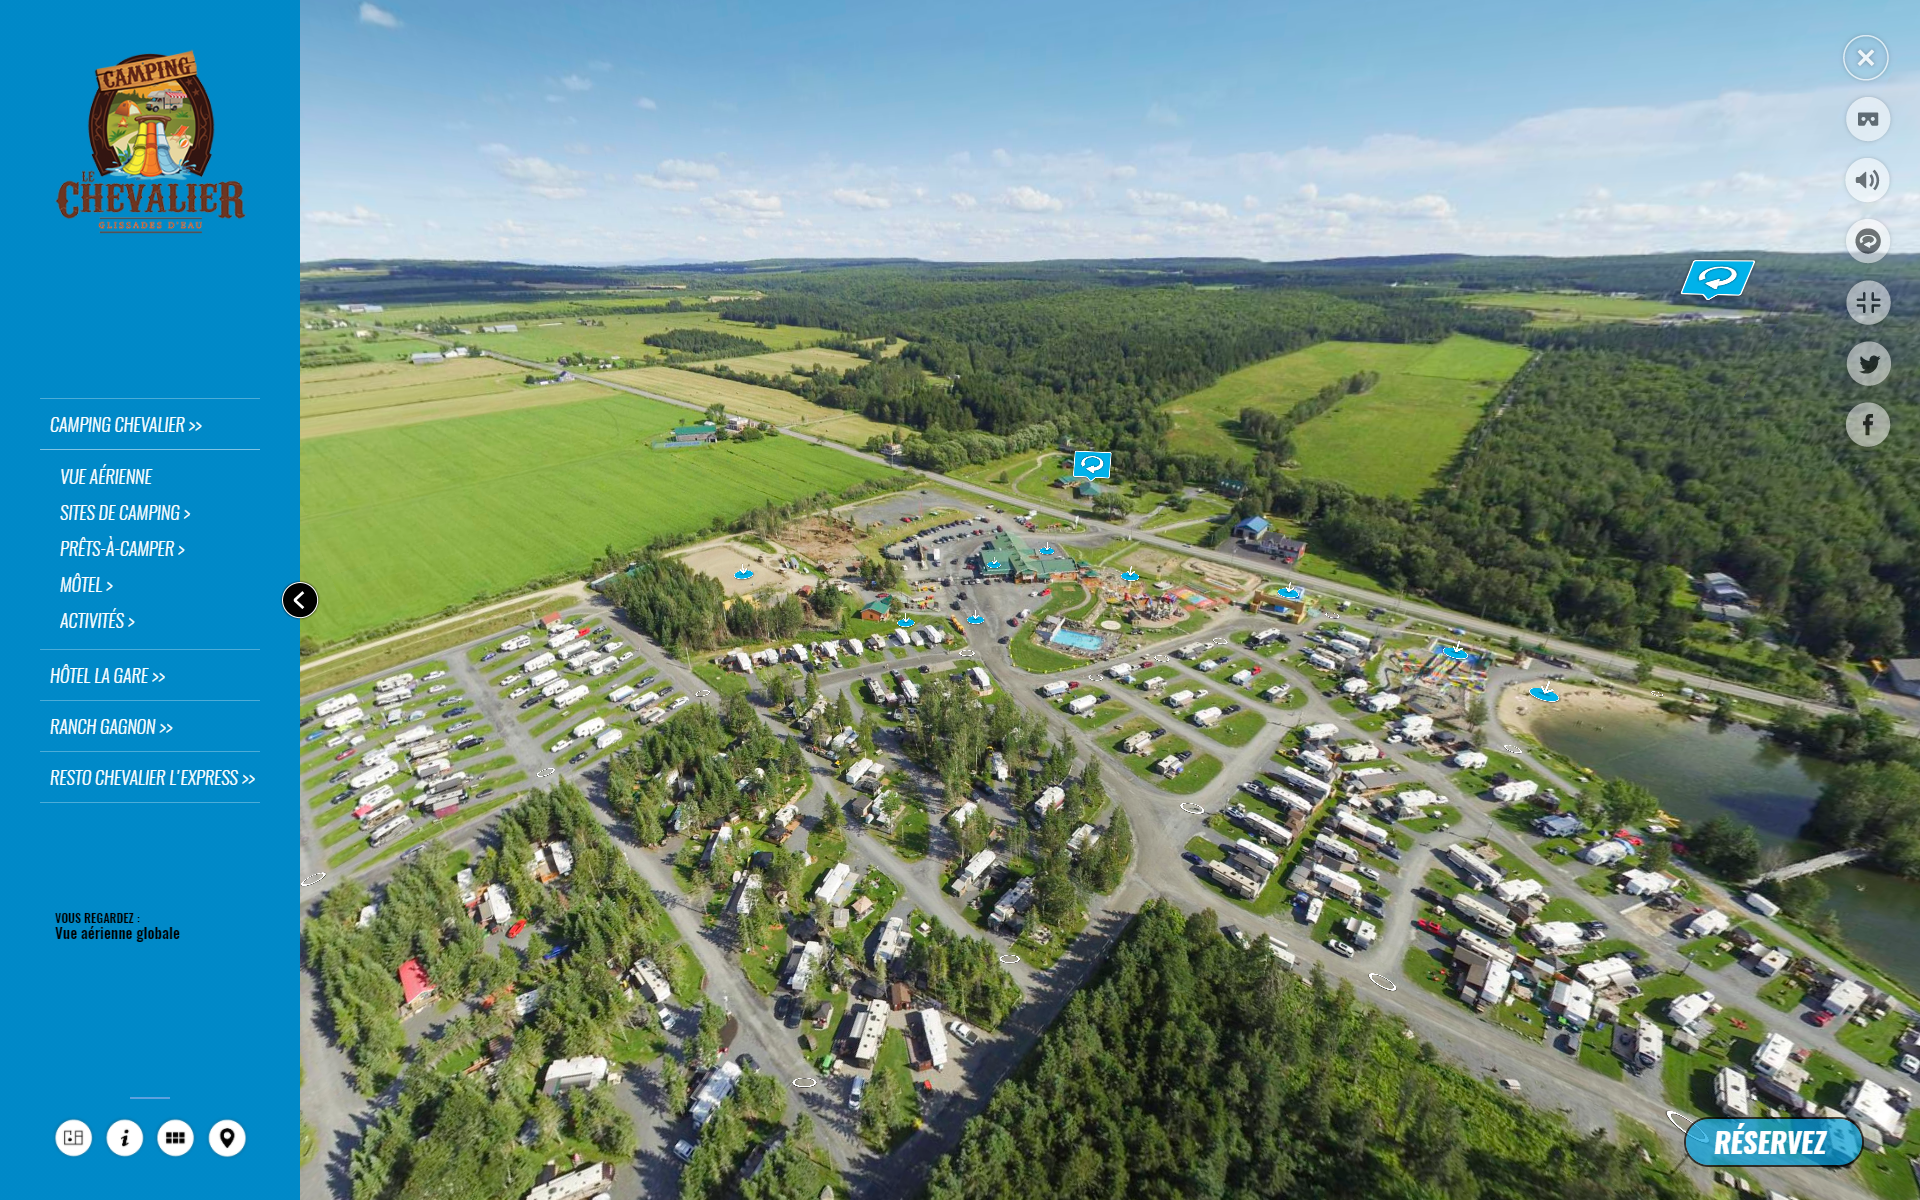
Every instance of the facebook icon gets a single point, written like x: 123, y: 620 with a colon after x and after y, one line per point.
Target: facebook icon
x: 1092, y: 464
x: 1716, y: 277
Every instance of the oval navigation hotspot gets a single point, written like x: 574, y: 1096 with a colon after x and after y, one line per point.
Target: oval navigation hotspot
x: 806, y: 1081
x: 1822, y: 1142
x: 1454, y: 654
x: 1381, y: 981
x: 1188, y: 806
x: 1009, y: 959
x: 976, y: 619
x: 905, y: 622
x: 1540, y: 693
x: 1131, y: 576
x: 743, y: 573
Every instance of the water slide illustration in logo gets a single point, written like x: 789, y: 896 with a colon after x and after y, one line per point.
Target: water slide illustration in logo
x: 150, y: 118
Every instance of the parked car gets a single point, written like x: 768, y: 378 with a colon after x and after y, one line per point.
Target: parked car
x: 683, y: 1150
x: 963, y: 1032
x: 1339, y: 947
x: 513, y: 931
x: 1366, y: 872
x: 578, y: 758
x: 489, y: 656
x: 747, y: 1063
x: 1190, y: 856
x: 1432, y: 927
x: 856, y: 1091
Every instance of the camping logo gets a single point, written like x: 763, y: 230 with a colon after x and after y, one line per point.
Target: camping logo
x: 151, y: 118
x: 150, y: 130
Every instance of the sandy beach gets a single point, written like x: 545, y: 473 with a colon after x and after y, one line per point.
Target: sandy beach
x: 1518, y: 710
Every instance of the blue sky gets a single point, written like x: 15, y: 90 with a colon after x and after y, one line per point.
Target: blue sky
x: 633, y: 132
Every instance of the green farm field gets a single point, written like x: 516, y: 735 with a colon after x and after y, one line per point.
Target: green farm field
x: 547, y: 338
x: 1568, y: 308
x: 782, y: 362
x: 1391, y: 440
x: 749, y: 400
x: 403, y: 521
x: 352, y: 399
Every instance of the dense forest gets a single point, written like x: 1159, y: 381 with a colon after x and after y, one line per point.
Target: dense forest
x: 1195, y: 1068
x: 1627, y: 450
x: 704, y: 343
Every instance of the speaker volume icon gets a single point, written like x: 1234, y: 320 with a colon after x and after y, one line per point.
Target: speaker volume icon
x: 1867, y: 180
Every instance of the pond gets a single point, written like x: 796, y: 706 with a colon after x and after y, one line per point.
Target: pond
x: 1700, y: 772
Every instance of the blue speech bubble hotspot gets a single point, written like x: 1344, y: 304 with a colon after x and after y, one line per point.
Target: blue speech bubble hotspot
x: 1540, y: 693
x: 993, y: 566
x: 905, y: 622
x: 743, y: 573
x: 1290, y: 593
x: 1822, y: 1142
x: 1046, y: 549
x: 1455, y: 655
x: 1712, y: 277
x: 1131, y: 577
x: 1092, y: 464
x: 976, y: 619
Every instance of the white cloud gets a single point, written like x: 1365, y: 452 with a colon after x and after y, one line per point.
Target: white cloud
x: 543, y: 178
x: 666, y: 185
x: 1002, y: 159
x: 645, y: 102
x: 1174, y: 204
x: 356, y: 217
x: 1029, y: 199
x: 1159, y: 114
x: 494, y: 149
x: 1249, y: 202
x: 683, y: 168
x: 576, y: 83
x: 963, y: 200
x: 373, y: 14
x: 858, y: 198
x: 743, y: 206
x: 1123, y: 172
x: 1428, y: 206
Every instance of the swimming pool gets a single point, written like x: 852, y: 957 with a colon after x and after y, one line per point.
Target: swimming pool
x: 1078, y: 641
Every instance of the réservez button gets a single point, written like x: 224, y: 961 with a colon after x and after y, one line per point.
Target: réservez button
x: 1827, y: 1142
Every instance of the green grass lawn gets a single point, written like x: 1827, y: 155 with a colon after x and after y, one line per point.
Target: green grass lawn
x: 1784, y: 993
x: 1566, y: 308
x: 1391, y: 440
x: 404, y: 521
x: 1874, y: 1040
x: 1238, y: 729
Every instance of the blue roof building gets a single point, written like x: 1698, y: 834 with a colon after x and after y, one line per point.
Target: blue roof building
x: 1252, y: 527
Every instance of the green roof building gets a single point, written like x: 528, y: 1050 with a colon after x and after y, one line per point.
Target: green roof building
x: 1017, y: 560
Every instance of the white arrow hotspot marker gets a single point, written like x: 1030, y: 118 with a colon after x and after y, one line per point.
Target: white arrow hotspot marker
x: 1671, y: 1115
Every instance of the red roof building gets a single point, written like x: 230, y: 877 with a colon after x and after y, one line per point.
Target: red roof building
x: 414, y: 984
